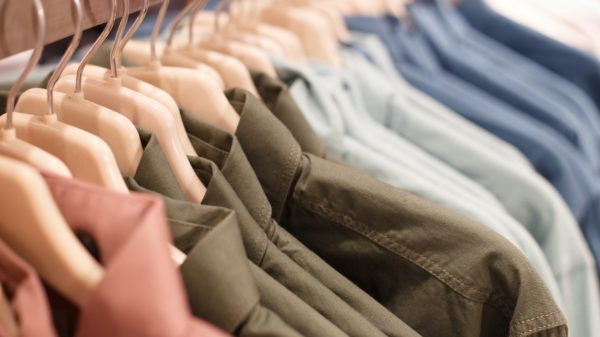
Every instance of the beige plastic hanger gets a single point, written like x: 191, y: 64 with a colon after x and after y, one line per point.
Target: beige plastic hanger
x: 15, y: 148
x: 88, y: 157
x: 143, y: 112
x: 290, y: 42
x: 233, y: 72
x: 31, y: 224
x: 71, y: 108
x: 193, y: 90
x: 33, y: 227
x: 252, y: 57
x: 235, y: 32
x: 150, y: 91
x: 318, y: 37
x: 335, y: 18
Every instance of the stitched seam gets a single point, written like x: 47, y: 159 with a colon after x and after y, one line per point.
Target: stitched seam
x: 553, y: 324
x: 467, y: 291
x: 265, y: 217
x: 286, y: 176
x: 538, y: 317
x: 262, y: 256
x: 189, y: 224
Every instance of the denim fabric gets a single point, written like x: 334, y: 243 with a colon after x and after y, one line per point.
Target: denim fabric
x: 576, y: 66
x: 550, y: 154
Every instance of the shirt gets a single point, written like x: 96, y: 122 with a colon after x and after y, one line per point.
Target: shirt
x: 508, y: 85
x: 227, y: 297
x: 525, y: 195
x: 26, y: 296
x: 226, y: 152
x: 417, y: 100
x: 123, y: 227
x: 546, y: 18
x: 581, y: 69
x: 397, y: 161
x: 269, y: 266
x: 401, y: 249
x: 527, y: 69
x: 552, y: 157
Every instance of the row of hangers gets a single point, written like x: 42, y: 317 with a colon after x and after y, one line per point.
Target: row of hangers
x: 83, y: 125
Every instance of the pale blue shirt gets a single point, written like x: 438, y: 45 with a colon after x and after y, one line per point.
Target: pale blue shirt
x: 333, y: 104
x: 526, y: 195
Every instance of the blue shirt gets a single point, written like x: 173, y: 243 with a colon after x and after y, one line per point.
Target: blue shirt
x: 525, y: 195
x: 551, y: 155
x: 574, y: 65
x: 515, y: 85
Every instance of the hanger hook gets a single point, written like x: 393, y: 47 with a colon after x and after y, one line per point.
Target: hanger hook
x: 175, y: 23
x: 134, y: 27
x: 195, y: 13
x: 94, y: 48
x: 67, y: 56
x: 114, y: 71
x: 33, y: 61
x: 156, y: 30
x: 219, y: 11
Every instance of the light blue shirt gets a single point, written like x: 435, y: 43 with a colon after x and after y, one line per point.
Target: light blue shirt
x: 526, y: 195
x: 333, y: 104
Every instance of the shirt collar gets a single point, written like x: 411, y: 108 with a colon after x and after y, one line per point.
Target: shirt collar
x: 124, y: 227
x: 211, y: 238
x: 225, y: 151
x: 270, y: 147
x: 155, y: 174
x: 278, y: 99
x: 26, y: 295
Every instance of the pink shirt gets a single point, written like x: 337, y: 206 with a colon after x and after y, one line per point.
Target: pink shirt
x: 28, y: 300
x: 141, y: 294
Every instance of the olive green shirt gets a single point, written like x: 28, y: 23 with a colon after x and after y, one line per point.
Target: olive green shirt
x: 227, y: 297
x: 364, y: 317
x: 439, y: 272
x: 155, y: 175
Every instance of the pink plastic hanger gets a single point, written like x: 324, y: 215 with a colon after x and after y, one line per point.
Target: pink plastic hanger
x: 88, y: 157
x: 233, y: 72
x: 33, y: 227
x: 10, y: 145
x: 148, y: 90
x: 143, y: 112
x: 71, y: 108
x: 193, y: 90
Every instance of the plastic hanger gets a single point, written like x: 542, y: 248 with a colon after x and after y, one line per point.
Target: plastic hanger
x: 71, y: 108
x: 143, y: 112
x: 234, y: 31
x: 233, y: 72
x: 193, y: 90
x: 88, y: 157
x: 252, y: 57
x: 290, y: 42
x: 334, y: 17
x: 31, y: 224
x: 318, y: 37
x: 33, y: 227
x: 148, y: 90
x: 15, y: 148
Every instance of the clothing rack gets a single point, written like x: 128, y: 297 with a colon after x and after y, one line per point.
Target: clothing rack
x: 16, y: 20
